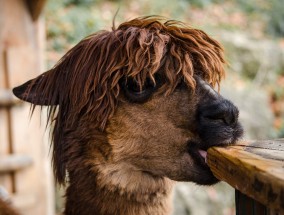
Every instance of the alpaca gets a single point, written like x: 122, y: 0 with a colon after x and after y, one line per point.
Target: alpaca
x: 133, y: 110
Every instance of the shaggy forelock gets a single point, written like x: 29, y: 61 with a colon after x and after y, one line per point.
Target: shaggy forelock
x: 85, y: 82
x: 88, y: 76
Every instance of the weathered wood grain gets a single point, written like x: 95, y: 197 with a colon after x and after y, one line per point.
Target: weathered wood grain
x: 254, y: 168
x: 35, y: 7
x: 14, y: 162
x: 7, y: 99
x: 21, y: 58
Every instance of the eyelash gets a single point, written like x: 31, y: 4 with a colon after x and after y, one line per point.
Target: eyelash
x: 134, y: 93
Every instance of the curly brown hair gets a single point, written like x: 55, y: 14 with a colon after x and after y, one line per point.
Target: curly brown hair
x: 86, y: 80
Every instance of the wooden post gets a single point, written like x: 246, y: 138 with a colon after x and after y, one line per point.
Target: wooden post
x: 26, y: 171
x: 246, y: 205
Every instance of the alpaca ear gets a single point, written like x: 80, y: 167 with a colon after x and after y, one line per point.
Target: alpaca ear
x: 33, y: 91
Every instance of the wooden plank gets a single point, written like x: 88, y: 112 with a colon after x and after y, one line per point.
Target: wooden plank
x: 20, y: 35
x: 270, y: 149
x: 5, y: 180
x: 12, y: 203
x: 24, y: 201
x: 35, y: 7
x: 254, y: 168
x: 14, y: 162
x: 7, y: 99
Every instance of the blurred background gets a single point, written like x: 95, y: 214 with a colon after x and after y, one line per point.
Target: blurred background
x: 252, y: 33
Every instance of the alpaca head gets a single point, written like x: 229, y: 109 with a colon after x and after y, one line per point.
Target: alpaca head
x: 138, y: 98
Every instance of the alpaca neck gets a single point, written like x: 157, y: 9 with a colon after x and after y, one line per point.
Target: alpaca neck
x: 110, y: 192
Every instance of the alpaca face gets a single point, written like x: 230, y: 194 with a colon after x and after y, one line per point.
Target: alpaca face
x: 137, y: 102
x: 167, y: 136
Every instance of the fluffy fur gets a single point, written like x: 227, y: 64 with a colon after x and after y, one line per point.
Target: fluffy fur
x: 128, y: 113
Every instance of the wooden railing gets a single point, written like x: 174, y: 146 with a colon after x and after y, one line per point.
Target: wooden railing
x: 13, y: 163
x: 25, y: 171
x: 256, y: 170
x: 7, y: 99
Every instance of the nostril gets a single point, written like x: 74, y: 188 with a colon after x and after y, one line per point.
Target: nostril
x: 228, y: 119
x: 231, y: 114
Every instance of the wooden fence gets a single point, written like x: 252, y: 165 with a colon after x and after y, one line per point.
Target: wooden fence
x: 25, y: 170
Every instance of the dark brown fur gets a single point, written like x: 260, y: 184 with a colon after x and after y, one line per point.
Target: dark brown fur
x: 122, y: 155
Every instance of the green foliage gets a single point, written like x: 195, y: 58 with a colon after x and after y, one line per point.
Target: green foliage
x: 79, y: 2
x: 200, y: 3
x: 270, y: 11
x: 79, y: 18
x: 251, y: 6
x: 281, y: 132
x: 75, y: 20
x: 276, y: 18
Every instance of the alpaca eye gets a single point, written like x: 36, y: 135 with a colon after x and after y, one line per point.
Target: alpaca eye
x: 135, y: 93
x: 134, y: 87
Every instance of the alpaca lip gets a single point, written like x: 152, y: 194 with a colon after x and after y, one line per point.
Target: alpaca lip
x: 203, y: 154
x: 199, y: 154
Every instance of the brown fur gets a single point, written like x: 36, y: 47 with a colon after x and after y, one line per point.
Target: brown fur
x: 120, y: 155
